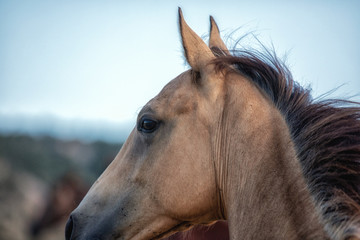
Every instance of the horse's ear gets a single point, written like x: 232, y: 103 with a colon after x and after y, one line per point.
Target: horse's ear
x: 215, y: 39
x: 197, y: 53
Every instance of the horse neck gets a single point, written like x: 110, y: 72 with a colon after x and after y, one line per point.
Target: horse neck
x: 262, y: 190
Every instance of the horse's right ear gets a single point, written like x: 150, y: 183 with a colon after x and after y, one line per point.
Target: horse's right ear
x: 215, y: 40
x: 197, y: 53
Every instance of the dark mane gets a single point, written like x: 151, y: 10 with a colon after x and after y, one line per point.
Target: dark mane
x: 326, y: 134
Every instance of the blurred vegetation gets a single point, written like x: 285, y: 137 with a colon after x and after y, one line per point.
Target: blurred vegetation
x: 42, y: 179
x: 49, y: 158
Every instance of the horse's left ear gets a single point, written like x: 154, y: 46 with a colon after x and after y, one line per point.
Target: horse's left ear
x: 197, y: 53
x: 215, y: 40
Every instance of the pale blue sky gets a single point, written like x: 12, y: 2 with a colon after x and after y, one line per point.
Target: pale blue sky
x: 93, y: 60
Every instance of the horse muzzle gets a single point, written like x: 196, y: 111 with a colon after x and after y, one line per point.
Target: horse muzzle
x: 69, y: 229
x: 77, y: 229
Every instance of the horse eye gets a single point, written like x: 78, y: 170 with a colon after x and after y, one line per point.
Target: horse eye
x: 147, y: 125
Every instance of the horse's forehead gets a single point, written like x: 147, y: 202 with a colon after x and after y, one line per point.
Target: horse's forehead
x: 178, y: 96
x: 181, y: 82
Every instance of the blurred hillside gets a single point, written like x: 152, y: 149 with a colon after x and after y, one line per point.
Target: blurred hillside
x: 42, y: 179
x: 63, y: 128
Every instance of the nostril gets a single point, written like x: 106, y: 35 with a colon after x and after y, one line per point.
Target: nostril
x: 69, y: 228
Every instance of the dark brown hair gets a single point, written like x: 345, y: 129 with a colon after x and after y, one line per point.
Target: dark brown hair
x: 326, y: 134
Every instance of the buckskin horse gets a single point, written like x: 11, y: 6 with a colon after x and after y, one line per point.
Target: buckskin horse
x: 233, y: 138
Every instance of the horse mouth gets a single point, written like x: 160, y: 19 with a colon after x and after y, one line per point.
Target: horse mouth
x: 179, y: 227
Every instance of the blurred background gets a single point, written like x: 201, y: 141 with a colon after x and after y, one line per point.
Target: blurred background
x: 74, y: 74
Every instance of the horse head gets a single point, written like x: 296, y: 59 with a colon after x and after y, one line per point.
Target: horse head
x: 163, y: 179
